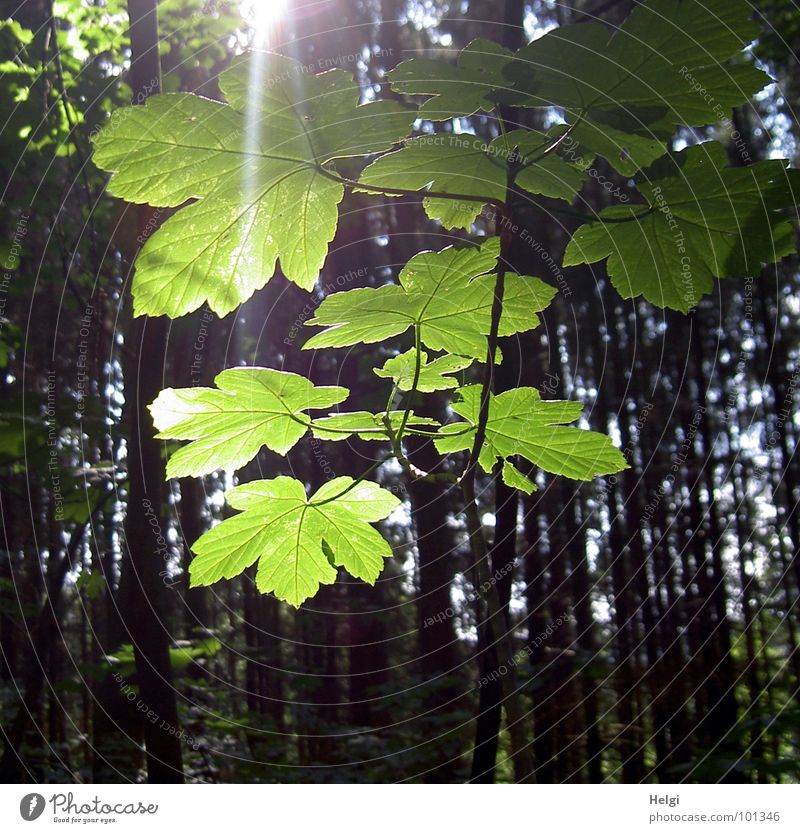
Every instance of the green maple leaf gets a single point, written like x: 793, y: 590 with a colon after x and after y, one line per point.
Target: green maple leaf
x: 449, y: 164
x: 669, y: 63
x: 447, y: 295
x: 515, y: 479
x: 433, y: 375
x: 546, y: 174
x: 457, y: 90
x: 626, y: 150
x: 520, y: 422
x: 366, y: 425
x: 255, y: 165
x: 465, y: 165
x: 706, y: 220
x: 251, y: 407
x: 290, y: 535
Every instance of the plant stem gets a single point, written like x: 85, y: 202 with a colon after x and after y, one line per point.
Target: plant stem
x: 405, y: 192
x: 498, y: 637
x: 360, y: 479
x: 597, y: 218
x: 414, y: 382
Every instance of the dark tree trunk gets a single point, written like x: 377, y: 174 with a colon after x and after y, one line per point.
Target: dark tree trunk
x: 144, y: 593
x: 439, y: 658
x: 587, y: 662
x: 45, y: 635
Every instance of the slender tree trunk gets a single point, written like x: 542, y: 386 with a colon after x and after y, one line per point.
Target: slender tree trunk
x: 587, y: 643
x: 45, y: 635
x: 721, y: 675
x: 439, y: 658
x: 751, y: 592
x: 144, y: 593
x: 116, y: 723
x: 538, y: 593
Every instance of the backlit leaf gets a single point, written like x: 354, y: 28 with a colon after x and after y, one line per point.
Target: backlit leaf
x: 706, y: 220
x: 366, y: 425
x: 449, y: 164
x: 433, y: 375
x: 256, y: 167
x: 467, y: 166
x: 521, y: 422
x: 284, y: 530
x: 251, y: 407
x: 515, y: 479
x: 459, y: 89
x: 672, y: 62
x: 448, y: 295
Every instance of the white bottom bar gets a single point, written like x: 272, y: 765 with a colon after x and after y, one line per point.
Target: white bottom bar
x: 342, y: 808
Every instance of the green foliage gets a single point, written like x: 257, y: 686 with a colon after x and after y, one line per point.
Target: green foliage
x: 520, y: 422
x: 540, y: 170
x: 515, y: 479
x: 265, y: 172
x: 256, y: 170
x: 447, y: 296
x: 368, y: 426
x: 298, y: 542
x: 446, y: 163
x: 251, y: 407
x: 102, y: 26
x: 23, y: 82
x: 196, y: 34
x: 432, y: 375
x: 459, y: 90
x: 626, y: 151
x: 124, y: 662
x: 465, y: 166
x: 703, y: 220
x: 670, y: 63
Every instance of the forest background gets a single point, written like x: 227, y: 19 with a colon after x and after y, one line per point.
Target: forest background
x: 656, y: 610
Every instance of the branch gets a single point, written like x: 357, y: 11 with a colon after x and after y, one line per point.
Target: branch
x: 406, y: 192
x: 598, y: 219
x: 414, y: 382
x: 414, y: 472
x: 499, y: 636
